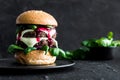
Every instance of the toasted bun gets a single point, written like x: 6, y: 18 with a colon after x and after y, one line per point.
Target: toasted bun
x: 36, y: 17
x: 35, y: 57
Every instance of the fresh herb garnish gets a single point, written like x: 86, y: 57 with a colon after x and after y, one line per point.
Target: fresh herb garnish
x: 29, y: 49
x: 102, y: 42
x: 54, y: 51
x: 13, y: 48
x: 49, y: 26
x: 32, y: 27
x: 45, y: 48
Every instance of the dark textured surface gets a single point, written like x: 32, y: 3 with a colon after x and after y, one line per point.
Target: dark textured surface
x: 78, y: 19
x: 83, y: 70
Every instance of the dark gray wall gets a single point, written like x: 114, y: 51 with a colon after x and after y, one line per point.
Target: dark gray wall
x: 78, y: 19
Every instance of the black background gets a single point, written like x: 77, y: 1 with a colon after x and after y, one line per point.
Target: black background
x: 78, y: 20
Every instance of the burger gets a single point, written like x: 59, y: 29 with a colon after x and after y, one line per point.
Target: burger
x: 35, y: 35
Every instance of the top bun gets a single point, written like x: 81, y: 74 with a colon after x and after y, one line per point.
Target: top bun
x: 36, y: 17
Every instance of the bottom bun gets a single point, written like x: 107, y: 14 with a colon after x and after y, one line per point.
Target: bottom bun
x: 35, y: 57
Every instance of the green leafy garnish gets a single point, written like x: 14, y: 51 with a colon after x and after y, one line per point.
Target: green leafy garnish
x: 115, y: 43
x: 45, y: 48
x: 49, y: 26
x: 89, y: 43
x: 69, y: 54
x: 101, y: 42
x: 63, y: 54
x: 60, y: 53
x: 104, y: 42
x: 80, y: 53
x: 110, y: 35
x: 33, y: 27
x: 13, y: 48
x: 54, y: 51
x: 29, y: 49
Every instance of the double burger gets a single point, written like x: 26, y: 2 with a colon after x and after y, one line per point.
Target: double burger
x: 35, y: 34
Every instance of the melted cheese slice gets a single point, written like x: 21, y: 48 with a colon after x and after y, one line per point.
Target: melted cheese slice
x: 30, y: 42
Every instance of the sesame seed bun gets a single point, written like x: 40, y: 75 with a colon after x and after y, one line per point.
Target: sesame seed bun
x: 35, y: 57
x: 36, y: 17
